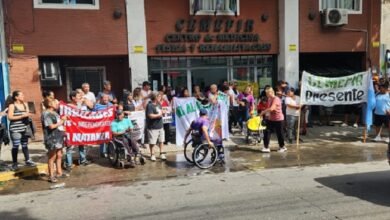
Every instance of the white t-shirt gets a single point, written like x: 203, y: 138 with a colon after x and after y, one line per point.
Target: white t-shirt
x: 290, y: 101
x: 90, y: 96
x: 231, y: 93
x: 145, y: 94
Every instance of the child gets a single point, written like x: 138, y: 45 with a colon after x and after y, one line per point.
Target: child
x: 54, y: 134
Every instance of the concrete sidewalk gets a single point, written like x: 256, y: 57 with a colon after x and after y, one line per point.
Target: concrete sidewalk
x: 316, y: 137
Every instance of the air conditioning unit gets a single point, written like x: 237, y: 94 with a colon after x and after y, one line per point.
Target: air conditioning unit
x: 334, y: 17
x: 50, y: 74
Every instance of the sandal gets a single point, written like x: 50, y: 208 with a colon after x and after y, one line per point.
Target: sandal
x: 52, y: 180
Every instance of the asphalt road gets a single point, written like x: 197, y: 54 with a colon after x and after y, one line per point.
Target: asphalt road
x: 337, y: 191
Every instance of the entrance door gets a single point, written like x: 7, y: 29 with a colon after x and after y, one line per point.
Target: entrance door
x: 206, y: 77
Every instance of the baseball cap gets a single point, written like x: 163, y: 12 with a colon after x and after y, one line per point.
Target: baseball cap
x: 203, y: 112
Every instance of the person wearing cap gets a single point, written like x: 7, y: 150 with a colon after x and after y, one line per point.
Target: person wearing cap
x: 107, y: 90
x: 200, y: 126
x: 120, y: 128
x: 382, y: 110
x: 155, y: 134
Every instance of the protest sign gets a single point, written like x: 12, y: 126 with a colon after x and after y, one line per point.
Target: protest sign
x: 167, y: 117
x: 326, y: 91
x: 86, y: 127
x: 187, y: 110
x: 138, y: 120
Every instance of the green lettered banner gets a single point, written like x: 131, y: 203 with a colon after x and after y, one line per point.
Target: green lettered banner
x: 328, y: 91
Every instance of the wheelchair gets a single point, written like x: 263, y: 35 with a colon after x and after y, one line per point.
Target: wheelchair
x: 116, y: 153
x: 201, y: 154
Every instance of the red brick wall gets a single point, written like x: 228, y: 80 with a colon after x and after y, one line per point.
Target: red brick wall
x: 24, y: 76
x: 161, y: 19
x: 315, y: 38
x: 65, y: 31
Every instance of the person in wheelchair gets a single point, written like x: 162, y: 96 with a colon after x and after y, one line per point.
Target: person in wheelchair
x: 120, y: 128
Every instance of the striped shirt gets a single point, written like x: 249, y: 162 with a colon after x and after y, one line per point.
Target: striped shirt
x: 17, y: 126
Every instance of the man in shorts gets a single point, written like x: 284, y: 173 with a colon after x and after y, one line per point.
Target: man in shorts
x: 154, y: 125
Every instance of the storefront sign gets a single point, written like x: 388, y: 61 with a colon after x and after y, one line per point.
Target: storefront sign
x: 85, y: 127
x: 327, y: 91
x: 227, y: 36
x: 292, y: 47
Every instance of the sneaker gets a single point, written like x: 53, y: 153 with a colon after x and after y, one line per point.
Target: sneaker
x: 355, y: 125
x: 153, y: 158
x: 387, y: 140
x: 283, y: 149
x: 163, y: 156
x: 265, y: 150
x: 344, y: 125
x: 68, y: 169
x: 378, y: 138
x: 30, y: 163
x: 15, y: 166
x: 103, y: 155
x: 85, y: 163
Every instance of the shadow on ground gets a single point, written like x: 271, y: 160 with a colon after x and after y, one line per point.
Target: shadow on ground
x: 21, y: 213
x: 372, y: 187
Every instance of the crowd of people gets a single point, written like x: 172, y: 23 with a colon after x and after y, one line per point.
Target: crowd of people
x: 280, y: 108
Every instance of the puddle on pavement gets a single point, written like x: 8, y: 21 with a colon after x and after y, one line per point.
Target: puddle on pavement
x: 243, y: 158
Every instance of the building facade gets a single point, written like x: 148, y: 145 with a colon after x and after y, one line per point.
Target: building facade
x: 59, y: 44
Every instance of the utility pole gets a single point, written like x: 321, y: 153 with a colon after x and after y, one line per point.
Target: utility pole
x: 4, y: 71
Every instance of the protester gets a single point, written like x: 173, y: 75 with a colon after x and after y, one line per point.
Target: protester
x: 138, y: 99
x: 200, y: 126
x: 246, y: 105
x: 198, y: 94
x: 87, y: 93
x: 145, y: 92
x: 382, y: 109
x: 292, y: 113
x: 233, y: 110
x: 213, y: 94
x: 154, y: 125
x: 53, y: 132
x: 170, y: 93
x: 274, y: 121
x: 78, y: 102
x: 165, y: 105
x: 107, y: 90
x: 355, y: 110
x: 47, y: 94
x: 129, y: 104
x: 262, y: 105
x: 103, y: 104
x: 185, y: 93
x: 19, y: 116
x: 120, y: 128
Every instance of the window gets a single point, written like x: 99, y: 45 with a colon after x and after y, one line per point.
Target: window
x: 353, y: 6
x: 67, y: 4
x: 215, y: 7
x: 94, y: 76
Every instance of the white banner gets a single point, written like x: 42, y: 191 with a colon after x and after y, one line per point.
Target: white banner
x: 187, y: 110
x: 138, y: 120
x: 326, y: 91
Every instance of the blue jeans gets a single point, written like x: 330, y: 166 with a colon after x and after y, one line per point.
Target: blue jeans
x: 292, y: 122
x: 69, y: 152
x: 103, y: 148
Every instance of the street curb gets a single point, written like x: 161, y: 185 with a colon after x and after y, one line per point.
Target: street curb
x: 23, y: 172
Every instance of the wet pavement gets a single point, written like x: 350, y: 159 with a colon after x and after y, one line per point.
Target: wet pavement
x: 241, y: 157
